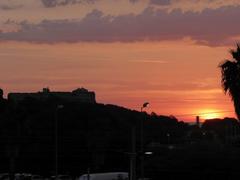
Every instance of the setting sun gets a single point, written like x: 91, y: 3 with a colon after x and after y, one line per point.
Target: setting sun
x: 210, y: 114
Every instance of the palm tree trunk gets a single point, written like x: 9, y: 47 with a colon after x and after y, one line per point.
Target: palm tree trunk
x: 237, y: 107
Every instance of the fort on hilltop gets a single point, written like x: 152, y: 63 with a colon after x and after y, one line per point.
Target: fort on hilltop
x: 77, y: 95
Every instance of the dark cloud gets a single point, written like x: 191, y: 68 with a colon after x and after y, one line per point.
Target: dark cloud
x: 10, y: 21
x: 54, y: 3
x: 155, y: 2
x: 133, y: 1
x: 213, y: 27
x: 160, y: 2
x: 10, y: 7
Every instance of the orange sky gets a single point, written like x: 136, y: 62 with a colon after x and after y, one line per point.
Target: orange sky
x: 165, y: 52
x: 176, y: 77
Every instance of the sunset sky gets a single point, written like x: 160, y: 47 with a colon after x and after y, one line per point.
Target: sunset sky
x: 165, y: 52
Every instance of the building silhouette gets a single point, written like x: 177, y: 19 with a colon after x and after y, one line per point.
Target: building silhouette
x: 77, y: 95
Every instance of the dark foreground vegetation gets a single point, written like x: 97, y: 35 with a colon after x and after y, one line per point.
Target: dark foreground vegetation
x: 98, y: 137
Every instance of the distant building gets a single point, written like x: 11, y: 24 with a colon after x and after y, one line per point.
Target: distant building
x: 197, y: 121
x: 77, y: 95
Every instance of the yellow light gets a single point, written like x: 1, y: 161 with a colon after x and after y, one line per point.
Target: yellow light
x: 209, y: 114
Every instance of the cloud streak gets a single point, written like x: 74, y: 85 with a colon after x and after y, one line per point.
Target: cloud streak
x: 54, y: 3
x: 212, y: 27
x: 7, y: 7
x: 160, y: 2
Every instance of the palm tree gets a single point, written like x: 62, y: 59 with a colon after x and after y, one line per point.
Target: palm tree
x: 230, y: 70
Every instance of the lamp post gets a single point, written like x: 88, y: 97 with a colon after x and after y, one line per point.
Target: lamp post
x: 133, y: 154
x: 141, y: 142
x: 56, y: 139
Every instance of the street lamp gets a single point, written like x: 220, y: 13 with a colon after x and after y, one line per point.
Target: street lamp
x: 146, y: 104
x: 148, y: 153
x: 141, y: 141
x: 56, y: 139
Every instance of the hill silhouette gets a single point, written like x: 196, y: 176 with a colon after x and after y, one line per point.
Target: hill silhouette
x: 90, y: 135
x: 98, y: 137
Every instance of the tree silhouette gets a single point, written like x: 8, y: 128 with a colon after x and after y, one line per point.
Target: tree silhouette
x: 230, y: 70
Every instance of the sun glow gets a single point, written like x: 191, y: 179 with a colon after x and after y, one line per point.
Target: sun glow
x: 210, y: 114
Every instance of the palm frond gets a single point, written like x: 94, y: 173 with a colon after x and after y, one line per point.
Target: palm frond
x: 230, y: 71
x: 236, y: 53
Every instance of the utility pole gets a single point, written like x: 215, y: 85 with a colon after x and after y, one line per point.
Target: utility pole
x: 88, y: 174
x: 142, y: 151
x: 142, y: 142
x: 133, y: 154
x: 56, y: 144
x: 56, y: 139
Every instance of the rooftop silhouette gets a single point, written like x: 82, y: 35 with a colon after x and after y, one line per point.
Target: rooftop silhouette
x: 77, y: 95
